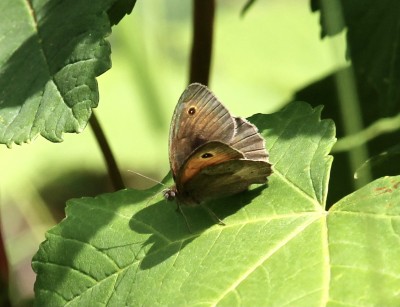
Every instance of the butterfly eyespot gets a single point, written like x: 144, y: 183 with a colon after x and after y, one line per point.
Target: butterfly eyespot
x: 192, y: 111
x: 206, y: 155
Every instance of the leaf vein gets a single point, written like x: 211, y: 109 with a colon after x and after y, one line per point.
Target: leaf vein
x: 300, y: 191
x: 86, y: 244
x: 256, y: 265
x: 68, y: 267
x: 327, y: 267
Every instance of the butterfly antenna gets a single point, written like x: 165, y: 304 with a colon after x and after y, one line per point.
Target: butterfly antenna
x: 151, y: 179
x: 148, y: 178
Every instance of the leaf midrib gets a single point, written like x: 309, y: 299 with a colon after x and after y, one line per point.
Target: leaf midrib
x: 264, y: 258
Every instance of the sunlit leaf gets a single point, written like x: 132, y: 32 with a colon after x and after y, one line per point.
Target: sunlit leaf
x: 279, y: 246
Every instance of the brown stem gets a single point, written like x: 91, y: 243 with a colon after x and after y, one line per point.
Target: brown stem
x: 203, y: 24
x: 113, y: 171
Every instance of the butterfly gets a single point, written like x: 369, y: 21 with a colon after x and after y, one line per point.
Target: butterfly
x: 212, y: 154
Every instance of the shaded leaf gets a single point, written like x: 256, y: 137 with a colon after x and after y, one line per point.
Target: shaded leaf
x: 119, y: 9
x: 51, y: 53
x: 373, y: 35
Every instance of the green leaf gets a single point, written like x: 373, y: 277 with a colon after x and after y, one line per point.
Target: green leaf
x: 373, y: 38
x: 364, y: 232
x: 51, y: 53
x: 279, y: 246
x: 119, y: 9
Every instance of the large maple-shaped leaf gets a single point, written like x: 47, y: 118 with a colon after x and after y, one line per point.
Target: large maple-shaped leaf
x: 280, y: 247
x: 51, y: 51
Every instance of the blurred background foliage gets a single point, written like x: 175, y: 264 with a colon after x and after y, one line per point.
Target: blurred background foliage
x: 261, y: 61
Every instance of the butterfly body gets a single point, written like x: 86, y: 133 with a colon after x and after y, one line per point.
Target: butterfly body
x: 212, y: 153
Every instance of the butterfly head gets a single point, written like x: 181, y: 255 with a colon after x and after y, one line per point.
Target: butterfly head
x: 170, y: 194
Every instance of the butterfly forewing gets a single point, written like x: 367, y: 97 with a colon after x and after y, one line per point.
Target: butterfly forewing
x: 212, y: 153
x: 198, y: 118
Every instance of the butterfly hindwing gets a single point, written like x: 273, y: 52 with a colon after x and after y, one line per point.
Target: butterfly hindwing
x: 209, y: 154
x: 226, y: 178
x: 248, y: 141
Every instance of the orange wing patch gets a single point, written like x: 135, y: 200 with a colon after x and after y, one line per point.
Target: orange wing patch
x: 209, y: 154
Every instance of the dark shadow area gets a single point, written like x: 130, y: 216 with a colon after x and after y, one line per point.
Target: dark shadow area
x: 372, y: 48
x: 74, y: 184
x: 168, y: 231
x: 382, y: 164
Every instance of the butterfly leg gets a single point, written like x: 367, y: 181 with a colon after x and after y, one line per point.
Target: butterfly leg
x: 213, y: 215
x: 180, y: 210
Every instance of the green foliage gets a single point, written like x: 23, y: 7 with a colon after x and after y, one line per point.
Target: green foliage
x: 290, y: 243
x: 363, y: 99
x: 47, y: 77
x: 279, y: 246
x: 373, y: 43
x: 118, y: 10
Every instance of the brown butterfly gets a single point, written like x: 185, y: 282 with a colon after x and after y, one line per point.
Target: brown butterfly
x: 212, y: 153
